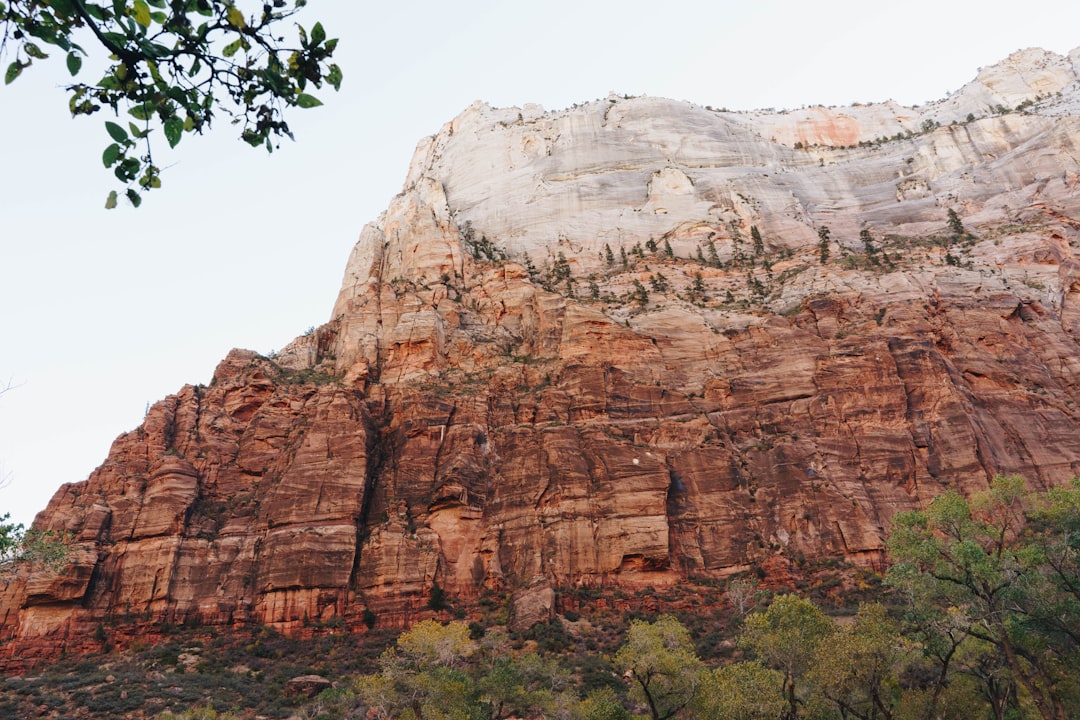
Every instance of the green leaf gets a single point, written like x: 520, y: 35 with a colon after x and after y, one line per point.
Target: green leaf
x: 156, y: 74
x: 235, y: 17
x: 34, y: 51
x: 127, y: 169
x: 277, y: 84
x: 174, y: 130
x: 74, y: 63
x: 317, y: 34
x: 62, y: 7
x: 134, y: 197
x: 110, y: 202
x: 137, y: 132
x: 230, y: 49
x: 307, y: 101
x: 14, y: 70
x: 96, y: 11
x: 154, y: 50
x: 118, y: 39
x: 334, y: 77
x: 118, y: 133
x: 141, y: 13
x: 111, y: 155
x: 142, y: 111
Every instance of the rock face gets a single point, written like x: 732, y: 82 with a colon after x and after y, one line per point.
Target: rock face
x: 619, y: 344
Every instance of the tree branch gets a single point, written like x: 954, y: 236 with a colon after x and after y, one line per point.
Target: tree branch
x: 129, y: 57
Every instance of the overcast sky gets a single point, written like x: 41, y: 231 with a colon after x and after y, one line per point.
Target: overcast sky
x: 104, y: 312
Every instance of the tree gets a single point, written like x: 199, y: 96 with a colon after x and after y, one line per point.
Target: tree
x: 857, y: 669
x: 33, y: 550
x: 437, y: 671
x: 742, y: 594
x: 823, y: 244
x: 697, y: 288
x: 714, y: 257
x: 741, y: 691
x: 422, y: 677
x: 172, y: 66
x: 429, y: 644
x: 1005, y: 562
x: 941, y: 635
x: 868, y: 246
x: 956, y: 225
x: 738, y: 257
x: 602, y: 704
x: 786, y: 637
x: 11, y: 540
x: 757, y: 242
x: 517, y: 686
x: 437, y: 598
x: 661, y: 665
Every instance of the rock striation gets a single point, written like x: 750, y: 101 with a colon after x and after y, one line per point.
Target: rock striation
x: 619, y: 344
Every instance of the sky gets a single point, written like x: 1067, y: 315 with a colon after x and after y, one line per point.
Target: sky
x: 104, y: 312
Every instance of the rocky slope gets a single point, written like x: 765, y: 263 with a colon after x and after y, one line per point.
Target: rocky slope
x: 623, y: 343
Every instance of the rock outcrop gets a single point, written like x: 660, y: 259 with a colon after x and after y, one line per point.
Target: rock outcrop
x: 620, y: 344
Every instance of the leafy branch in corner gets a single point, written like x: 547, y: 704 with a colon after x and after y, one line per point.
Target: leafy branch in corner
x: 172, y: 66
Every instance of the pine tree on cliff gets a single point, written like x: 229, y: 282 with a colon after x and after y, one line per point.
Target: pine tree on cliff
x: 823, y: 244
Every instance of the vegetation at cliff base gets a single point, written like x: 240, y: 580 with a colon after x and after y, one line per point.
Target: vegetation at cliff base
x: 977, y: 619
x: 981, y: 623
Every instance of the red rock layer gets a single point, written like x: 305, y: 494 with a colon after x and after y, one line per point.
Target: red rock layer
x: 270, y: 498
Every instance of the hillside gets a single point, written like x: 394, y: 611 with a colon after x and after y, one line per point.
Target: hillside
x: 616, y: 345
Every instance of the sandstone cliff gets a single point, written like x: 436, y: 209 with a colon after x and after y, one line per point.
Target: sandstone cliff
x: 621, y: 343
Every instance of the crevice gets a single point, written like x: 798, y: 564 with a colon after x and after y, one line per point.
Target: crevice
x: 377, y: 455
x: 442, y: 443
x: 675, y: 507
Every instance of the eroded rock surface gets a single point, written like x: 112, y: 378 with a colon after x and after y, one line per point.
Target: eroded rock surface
x: 622, y: 343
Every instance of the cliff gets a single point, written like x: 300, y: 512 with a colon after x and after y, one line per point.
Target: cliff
x: 619, y: 344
